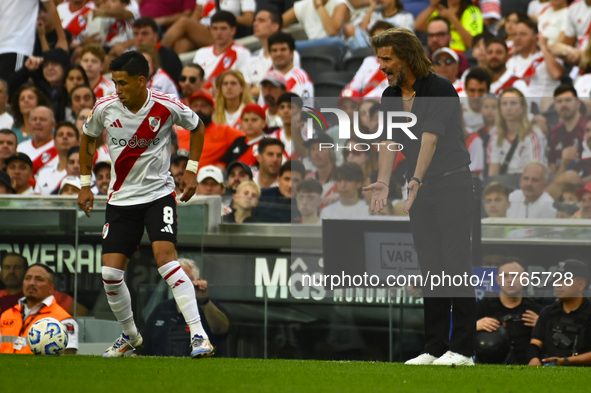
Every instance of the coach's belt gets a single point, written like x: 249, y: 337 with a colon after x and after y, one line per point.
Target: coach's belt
x: 429, y: 179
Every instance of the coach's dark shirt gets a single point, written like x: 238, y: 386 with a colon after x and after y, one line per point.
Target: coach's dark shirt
x: 438, y: 111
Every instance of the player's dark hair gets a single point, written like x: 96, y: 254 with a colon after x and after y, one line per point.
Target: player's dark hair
x: 44, y: 267
x: 146, y: 22
x: 499, y: 41
x: 224, y: 16
x: 350, y: 171
x: 564, y: 88
x: 274, y: 16
x: 533, y: 26
x: 481, y: 75
x: 281, y: 38
x: 197, y: 67
x: 293, y: 166
x: 380, y: 25
x: 266, y: 142
x: 17, y: 255
x: 133, y: 62
x: 310, y: 185
x: 73, y: 150
x: 442, y: 19
x: 66, y: 123
x: 516, y: 260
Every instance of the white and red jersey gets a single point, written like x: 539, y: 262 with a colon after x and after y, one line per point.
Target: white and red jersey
x: 104, y: 87
x: 74, y: 21
x: 508, y: 80
x: 476, y: 150
x: 459, y: 86
x: 299, y: 82
x: 139, y: 145
x: 45, y: 154
x: 578, y: 23
x: 369, y: 81
x: 532, y: 69
x: 234, y: 58
x: 551, y: 22
x: 101, y: 155
x: 163, y: 83
x: 280, y: 134
x: 532, y: 148
x: 258, y: 65
x: 49, y: 179
x: 120, y: 30
x: 583, y: 86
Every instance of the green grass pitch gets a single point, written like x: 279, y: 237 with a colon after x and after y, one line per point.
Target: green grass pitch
x: 28, y: 373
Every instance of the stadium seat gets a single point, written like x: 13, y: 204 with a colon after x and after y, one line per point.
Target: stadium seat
x: 353, y: 63
x: 330, y: 84
x: 317, y: 64
x: 324, y: 50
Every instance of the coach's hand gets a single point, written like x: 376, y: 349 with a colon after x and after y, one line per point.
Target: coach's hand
x: 188, y: 185
x: 413, y: 188
x: 379, y: 195
x: 86, y: 200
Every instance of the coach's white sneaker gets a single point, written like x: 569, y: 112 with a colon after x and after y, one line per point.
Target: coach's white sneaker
x: 422, y: 359
x: 452, y: 358
x: 123, y: 344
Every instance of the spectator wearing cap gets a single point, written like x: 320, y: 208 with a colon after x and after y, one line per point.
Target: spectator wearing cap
x: 6, y: 184
x: 439, y: 36
x: 584, y: 195
x: 6, y: 121
x: 40, y: 148
x: 308, y: 199
x: 70, y: 186
x: 8, y: 143
x: 49, y: 177
x: 20, y: 169
x: 531, y: 200
x: 102, y: 174
x: 245, y: 148
x: 446, y: 64
x: 562, y: 335
x: 273, y: 86
x: 218, y: 137
x: 191, y: 80
x: 210, y: 181
x: 269, y: 158
x: 244, y: 201
x: 275, y: 204
x: 324, y: 160
x: 289, y: 106
x: 232, y: 96
x: 178, y: 164
x: 349, y: 180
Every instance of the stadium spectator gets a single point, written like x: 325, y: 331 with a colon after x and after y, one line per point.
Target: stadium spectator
x: 497, y: 56
x: 349, y: 105
x: 289, y: 106
x: 92, y: 60
x: 178, y: 164
x: 584, y: 195
x: 6, y: 121
x: 308, y: 199
x: 324, y: 161
x: 70, y: 186
x: 37, y: 303
x: 49, y: 177
x: 243, y: 10
x: 17, y: 36
x: 115, y: 18
x: 191, y: 80
x: 273, y: 85
x: 369, y: 80
x: 569, y: 194
x: 562, y: 335
x: 510, y: 311
x: 569, y: 133
x: 392, y: 12
x: 158, y: 80
x: 488, y: 110
x: 349, y: 181
x: 269, y: 158
x: 516, y: 141
x: 81, y: 118
x: 282, y: 49
x: 446, y: 63
x: 80, y: 97
x: 275, y: 203
x: 224, y: 54
x: 218, y: 137
x: 102, y: 174
x: 491, y: 15
x: 465, y: 21
x: 165, y: 331
x: 20, y: 169
x: 357, y: 151
x: 243, y: 202
x: 537, y: 67
x: 439, y: 36
x: 552, y: 19
x: 478, y: 51
x: 232, y: 97
x: 5, y: 189
x: 565, y: 210
x: 245, y: 148
x: 210, y: 181
x: 531, y: 201
x: 23, y: 102
x: 8, y: 142
x: 47, y: 37
x: 40, y: 149
x: 496, y: 200
x: 73, y: 165
x: 75, y: 76
x: 476, y: 86
x: 575, y: 35
x: 74, y: 16
x: 236, y: 173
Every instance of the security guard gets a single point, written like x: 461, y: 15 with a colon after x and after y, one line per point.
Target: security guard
x: 562, y: 335
x: 37, y: 304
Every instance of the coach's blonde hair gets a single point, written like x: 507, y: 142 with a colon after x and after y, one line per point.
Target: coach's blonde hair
x: 525, y: 126
x: 406, y: 47
x: 219, y: 116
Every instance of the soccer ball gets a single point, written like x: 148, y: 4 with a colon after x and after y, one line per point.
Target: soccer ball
x: 47, y: 336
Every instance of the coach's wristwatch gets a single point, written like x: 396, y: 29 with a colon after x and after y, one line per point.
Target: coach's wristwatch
x: 417, y: 180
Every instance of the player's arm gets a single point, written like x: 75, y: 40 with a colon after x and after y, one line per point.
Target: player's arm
x: 87, y: 149
x: 189, y: 181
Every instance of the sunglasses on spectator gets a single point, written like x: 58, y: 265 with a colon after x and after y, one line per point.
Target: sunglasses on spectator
x: 446, y: 61
x: 192, y: 79
x: 436, y: 35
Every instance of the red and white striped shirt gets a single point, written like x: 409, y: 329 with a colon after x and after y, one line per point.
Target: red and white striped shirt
x: 532, y: 69
x: 578, y: 23
x: 139, y: 145
x: 41, y: 156
x: 234, y: 58
x: 369, y: 81
x: 508, y: 80
x: 104, y: 87
x: 532, y: 148
x: 74, y: 21
x: 299, y: 82
x: 163, y: 83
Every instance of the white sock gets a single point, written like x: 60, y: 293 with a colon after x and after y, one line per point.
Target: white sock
x: 119, y: 299
x: 184, y: 294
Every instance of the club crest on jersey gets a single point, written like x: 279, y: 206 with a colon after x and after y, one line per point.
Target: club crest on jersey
x: 154, y: 123
x: 45, y: 157
x: 105, y: 230
x: 227, y: 62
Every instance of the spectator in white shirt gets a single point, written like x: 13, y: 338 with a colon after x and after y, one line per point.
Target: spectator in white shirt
x: 6, y: 121
x: 158, y: 78
x: 349, y: 180
x: 531, y: 201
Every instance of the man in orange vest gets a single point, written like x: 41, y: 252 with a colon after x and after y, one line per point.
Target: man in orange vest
x: 38, y: 303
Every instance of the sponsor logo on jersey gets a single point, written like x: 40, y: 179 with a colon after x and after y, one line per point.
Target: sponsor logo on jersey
x: 105, y: 230
x: 134, y: 142
x: 154, y: 123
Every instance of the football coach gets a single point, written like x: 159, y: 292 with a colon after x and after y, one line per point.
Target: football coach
x: 440, y: 191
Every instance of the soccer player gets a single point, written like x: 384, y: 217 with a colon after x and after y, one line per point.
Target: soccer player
x: 139, y: 124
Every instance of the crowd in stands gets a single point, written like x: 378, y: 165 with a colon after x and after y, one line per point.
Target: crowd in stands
x: 522, y: 72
